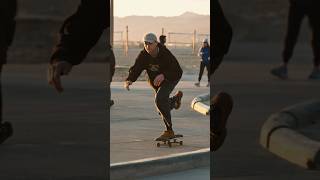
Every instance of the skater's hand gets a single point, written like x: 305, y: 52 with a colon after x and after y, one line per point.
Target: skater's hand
x: 158, y: 80
x: 127, y: 84
x: 55, y: 70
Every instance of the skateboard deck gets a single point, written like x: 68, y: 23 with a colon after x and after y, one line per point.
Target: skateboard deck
x: 170, y: 141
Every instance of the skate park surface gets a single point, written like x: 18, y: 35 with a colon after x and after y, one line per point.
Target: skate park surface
x: 135, y: 123
x: 257, y: 95
x: 44, y: 146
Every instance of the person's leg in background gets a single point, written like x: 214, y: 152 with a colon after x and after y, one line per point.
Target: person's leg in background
x: 5, y: 127
x: 3, y: 53
x: 8, y: 9
x: 314, y: 22
x: 208, y: 74
x: 200, y: 74
x: 295, y: 17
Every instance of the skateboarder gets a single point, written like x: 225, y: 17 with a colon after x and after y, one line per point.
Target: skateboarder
x: 297, y: 11
x: 8, y: 10
x: 204, y: 54
x: 221, y: 104
x: 78, y: 34
x: 164, y: 73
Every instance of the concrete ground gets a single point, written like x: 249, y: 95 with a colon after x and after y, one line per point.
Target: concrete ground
x: 200, y: 173
x: 56, y: 136
x: 256, y: 96
x: 245, y: 75
x: 135, y: 123
x: 50, y: 144
x: 63, y: 136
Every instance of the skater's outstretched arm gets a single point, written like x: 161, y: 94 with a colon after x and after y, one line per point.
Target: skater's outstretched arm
x: 78, y: 34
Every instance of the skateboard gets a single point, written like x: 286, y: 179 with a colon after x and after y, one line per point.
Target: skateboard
x: 170, y: 141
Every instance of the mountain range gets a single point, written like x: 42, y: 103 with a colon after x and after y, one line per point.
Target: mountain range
x: 184, y: 23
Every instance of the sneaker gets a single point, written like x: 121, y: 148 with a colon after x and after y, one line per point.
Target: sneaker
x: 315, y: 74
x: 220, y: 109
x: 197, y: 84
x: 178, y: 97
x: 280, y: 72
x: 166, y: 135
x: 217, y: 139
x: 6, y: 131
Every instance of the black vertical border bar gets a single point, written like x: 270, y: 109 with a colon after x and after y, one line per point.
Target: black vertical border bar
x: 109, y: 34
x: 211, y: 83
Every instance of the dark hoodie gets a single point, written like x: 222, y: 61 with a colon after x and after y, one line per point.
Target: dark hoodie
x: 165, y: 63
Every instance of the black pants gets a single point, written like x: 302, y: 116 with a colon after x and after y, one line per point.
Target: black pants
x: 0, y: 94
x: 3, y: 57
x: 297, y: 12
x: 202, y: 66
x: 163, y: 102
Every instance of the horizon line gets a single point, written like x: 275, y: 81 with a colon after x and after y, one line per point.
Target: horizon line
x: 163, y: 15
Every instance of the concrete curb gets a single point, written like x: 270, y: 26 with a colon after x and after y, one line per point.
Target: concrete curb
x: 280, y: 136
x: 160, y: 165
x: 198, y: 105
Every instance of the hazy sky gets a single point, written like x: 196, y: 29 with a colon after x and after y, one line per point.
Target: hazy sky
x: 160, y: 7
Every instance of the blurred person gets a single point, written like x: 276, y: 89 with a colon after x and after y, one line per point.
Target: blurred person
x: 163, y: 40
x: 297, y: 11
x: 164, y: 73
x: 221, y: 104
x: 204, y: 53
x: 78, y: 34
x: 8, y: 10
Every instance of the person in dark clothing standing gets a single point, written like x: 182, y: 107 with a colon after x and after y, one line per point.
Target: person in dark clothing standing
x: 163, y: 40
x: 78, y: 34
x: 297, y: 11
x: 204, y: 53
x: 8, y: 9
x: 222, y: 103
x: 164, y: 73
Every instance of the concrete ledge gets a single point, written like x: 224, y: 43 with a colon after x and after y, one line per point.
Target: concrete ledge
x: 280, y: 136
x: 295, y: 147
x: 160, y: 165
x: 198, y: 105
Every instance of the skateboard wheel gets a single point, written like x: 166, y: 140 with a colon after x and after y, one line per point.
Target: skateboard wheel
x: 181, y: 143
x: 158, y: 144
